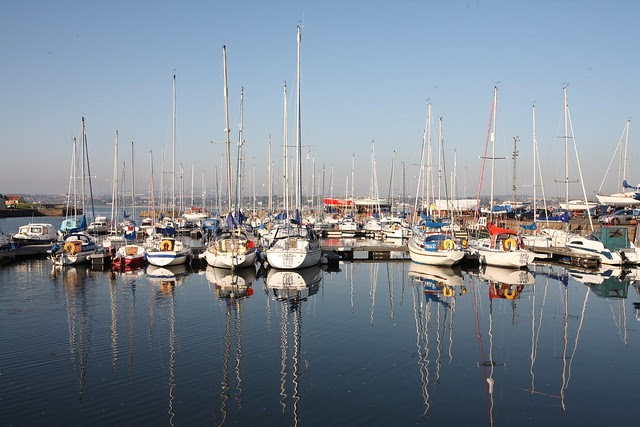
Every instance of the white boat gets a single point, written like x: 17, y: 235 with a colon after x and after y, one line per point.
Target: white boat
x: 397, y: 230
x: 231, y: 247
x: 577, y: 205
x: 628, y: 195
x: 610, y: 244
x: 35, y: 233
x: 501, y: 250
x: 435, y: 249
x: 503, y: 247
x: 98, y: 225
x: 77, y: 248
x: 167, y: 251
x: 295, y: 245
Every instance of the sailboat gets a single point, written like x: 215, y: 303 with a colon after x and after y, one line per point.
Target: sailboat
x: 230, y: 247
x: 295, y: 245
x: 621, y: 198
x: 77, y: 246
x: 168, y: 250
x: 438, y: 247
x: 503, y: 247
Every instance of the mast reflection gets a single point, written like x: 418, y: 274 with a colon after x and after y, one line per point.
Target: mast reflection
x: 291, y: 288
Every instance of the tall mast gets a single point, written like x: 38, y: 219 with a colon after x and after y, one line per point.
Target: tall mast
x: 514, y: 156
x: 298, y: 132
x: 152, y: 196
x: 240, y: 160
x: 173, y: 139
x: 114, y: 191
x: 226, y: 127
x: 566, y: 146
x: 270, y: 181
x: 133, y: 185
x: 493, y: 146
x: 285, y: 167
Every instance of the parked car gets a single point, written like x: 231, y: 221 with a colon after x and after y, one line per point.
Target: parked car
x: 622, y: 216
x: 528, y: 214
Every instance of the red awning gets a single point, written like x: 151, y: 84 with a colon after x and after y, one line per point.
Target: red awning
x: 494, y: 229
x: 337, y: 202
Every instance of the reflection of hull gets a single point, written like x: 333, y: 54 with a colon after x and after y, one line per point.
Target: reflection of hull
x: 298, y: 284
x: 234, y: 283
x: 166, y: 274
x: 507, y: 276
x: 444, y: 275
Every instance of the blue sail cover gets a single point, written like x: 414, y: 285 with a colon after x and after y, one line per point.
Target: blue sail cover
x: 71, y: 225
x: 531, y: 226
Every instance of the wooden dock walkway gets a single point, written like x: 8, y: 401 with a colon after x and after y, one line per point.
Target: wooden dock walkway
x: 568, y: 257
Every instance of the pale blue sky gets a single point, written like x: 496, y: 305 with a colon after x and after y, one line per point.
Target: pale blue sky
x: 368, y: 68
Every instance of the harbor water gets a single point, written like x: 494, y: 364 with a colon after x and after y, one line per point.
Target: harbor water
x: 362, y: 343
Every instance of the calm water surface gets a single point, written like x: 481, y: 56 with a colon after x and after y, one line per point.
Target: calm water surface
x: 385, y: 343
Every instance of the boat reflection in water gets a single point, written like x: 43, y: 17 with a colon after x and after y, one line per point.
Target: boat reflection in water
x: 291, y: 288
x: 234, y: 287
x: 293, y: 285
x: 232, y: 283
x: 80, y: 309
x: 434, y: 322
x: 437, y: 281
x: 606, y: 282
x: 506, y: 283
x: 167, y: 278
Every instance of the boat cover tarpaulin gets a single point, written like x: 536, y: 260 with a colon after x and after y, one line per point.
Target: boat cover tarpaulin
x: 494, y: 229
x: 337, y: 202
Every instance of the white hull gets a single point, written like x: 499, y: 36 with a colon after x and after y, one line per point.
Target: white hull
x: 167, y: 258
x: 619, y: 200
x: 293, y: 258
x: 518, y: 258
x: 229, y: 259
x: 577, y: 205
x: 440, y: 257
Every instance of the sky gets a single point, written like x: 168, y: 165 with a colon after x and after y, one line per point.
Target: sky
x: 369, y: 68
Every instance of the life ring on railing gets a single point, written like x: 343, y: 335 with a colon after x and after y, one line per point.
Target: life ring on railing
x: 166, y: 245
x: 465, y: 243
x: 69, y: 247
x: 447, y: 291
x: 448, y: 244
x: 510, y: 293
x: 509, y: 244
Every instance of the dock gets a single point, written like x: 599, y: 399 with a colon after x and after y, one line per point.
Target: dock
x: 365, y: 250
x: 567, y: 257
x: 24, y: 251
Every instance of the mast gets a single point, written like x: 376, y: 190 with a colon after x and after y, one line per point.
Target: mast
x: 298, y: 131
x: 285, y: 168
x: 173, y: 139
x: 514, y: 157
x: 240, y: 160
x: 493, y: 148
x: 270, y: 181
x: 566, y: 146
x: 133, y: 185
x: 152, y: 196
x: 226, y: 127
x: 114, y: 187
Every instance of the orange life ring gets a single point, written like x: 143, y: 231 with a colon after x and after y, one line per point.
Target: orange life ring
x: 447, y: 291
x: 509, y: 244
x: 448, y: 244
x: 510, y: 293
